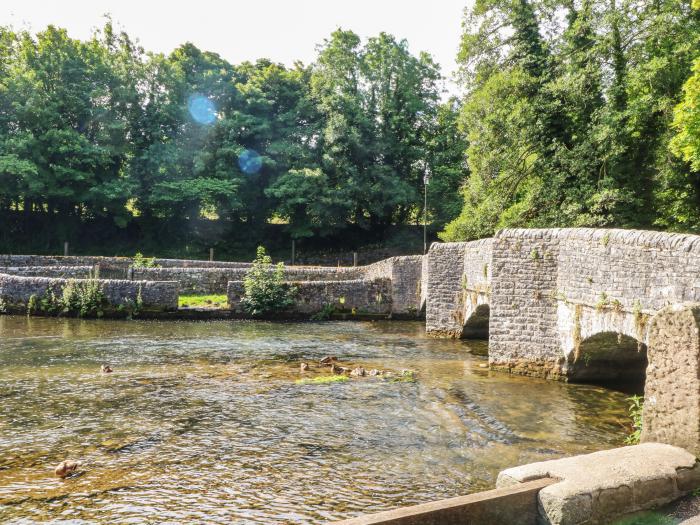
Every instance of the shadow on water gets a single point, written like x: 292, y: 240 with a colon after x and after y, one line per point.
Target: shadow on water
x: 205, y: 421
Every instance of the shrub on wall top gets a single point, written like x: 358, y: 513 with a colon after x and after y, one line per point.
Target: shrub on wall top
x: 265, y: 289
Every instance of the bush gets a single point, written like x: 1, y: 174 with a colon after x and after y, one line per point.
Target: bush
x: 143, y: 262
x: 265, y: 289
x: 84, y: 297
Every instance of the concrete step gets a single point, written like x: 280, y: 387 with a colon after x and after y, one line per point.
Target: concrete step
x: 595, y: 488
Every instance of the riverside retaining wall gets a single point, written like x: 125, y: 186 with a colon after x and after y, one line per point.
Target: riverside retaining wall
x: 17, y: 291
x: 215, y: 280
x: 64, y: 272
x: 363, y: 296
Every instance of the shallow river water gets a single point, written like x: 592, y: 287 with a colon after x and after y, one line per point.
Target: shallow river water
x: 207, y: 422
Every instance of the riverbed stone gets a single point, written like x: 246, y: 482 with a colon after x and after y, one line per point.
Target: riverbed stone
x: 595, y: 488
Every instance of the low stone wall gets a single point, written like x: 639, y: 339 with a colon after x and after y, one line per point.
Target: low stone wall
x: 364, y: 296
x: 215, y: 280
x: 16, y: 292
x: 63, y: 272
x: 406, y: 291
x: 196, y: 263
x: 121, y: 263
x: 405, y: 274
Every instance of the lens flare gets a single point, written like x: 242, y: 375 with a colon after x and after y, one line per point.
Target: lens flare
x: 202, y: 109
x: 249, y: 161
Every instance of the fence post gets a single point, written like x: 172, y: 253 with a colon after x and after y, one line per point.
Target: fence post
x: 354, y: 258
x: 65, y: 248
x: 294, y: 251
x: 211, y: 254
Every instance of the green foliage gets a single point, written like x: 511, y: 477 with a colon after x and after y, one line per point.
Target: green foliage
x: 326, y: 312
x: 636, y: 408
x: 265, y: 289
x: 100, y: 131
x: 84, y: 297
x: 203, y: 301
x: 322, y: 380
x: 569, y: 116
x: 140, y: 261
x: 686, y: 144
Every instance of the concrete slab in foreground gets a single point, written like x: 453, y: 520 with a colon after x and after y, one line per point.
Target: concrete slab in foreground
x: 515, y: 505
x: 595, y: 488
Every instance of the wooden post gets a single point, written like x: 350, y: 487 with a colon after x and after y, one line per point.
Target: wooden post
x: 130, y: 273
x: 354, y: 258
x: 65, y: 248
x: 211, y: 254
x: 294, y: 254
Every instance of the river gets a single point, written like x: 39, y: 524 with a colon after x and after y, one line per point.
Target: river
x: 209, y: 421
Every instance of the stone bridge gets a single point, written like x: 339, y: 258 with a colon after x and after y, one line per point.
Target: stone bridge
x: 585, y: 305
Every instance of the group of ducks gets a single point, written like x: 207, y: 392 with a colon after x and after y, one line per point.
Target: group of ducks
x: 68, y: 467
x: 331, y: 361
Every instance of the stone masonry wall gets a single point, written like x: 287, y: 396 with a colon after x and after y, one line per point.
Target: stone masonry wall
x: 215, y: 280
x: 405, y: 274
x: 445, y: 300
x: 113, y: 263
x: 16, y: 291
x: 641, y: 270
x: 205, y: 277
x: 64, y: 272
x: 458, y: 274
x: 672, y: 387
x: 523, y: 335
x: 551, y: 288
x: 368, y: 296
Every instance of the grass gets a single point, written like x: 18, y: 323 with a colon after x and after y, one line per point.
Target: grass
x: 646, y: 518
x: 322, y: 380
x: 203, y: 301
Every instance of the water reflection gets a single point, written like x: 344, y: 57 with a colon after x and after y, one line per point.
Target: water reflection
x: 205, y: 422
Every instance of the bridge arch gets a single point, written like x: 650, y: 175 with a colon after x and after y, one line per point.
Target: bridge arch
x: 602, y: 343
x: 476, y: 317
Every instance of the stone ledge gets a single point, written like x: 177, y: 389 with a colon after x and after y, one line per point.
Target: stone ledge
x: 594, y: 488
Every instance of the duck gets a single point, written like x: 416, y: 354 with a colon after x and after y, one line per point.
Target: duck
x: 66, y: 468
x: 106, y: 369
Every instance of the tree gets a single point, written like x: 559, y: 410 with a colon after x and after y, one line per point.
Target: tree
x: 569, y: 119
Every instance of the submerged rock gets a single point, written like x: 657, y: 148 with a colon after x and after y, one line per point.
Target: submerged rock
x: 66, y: 468
x: 358, y: 372
x: 374, y: 372
x: 328, y: 360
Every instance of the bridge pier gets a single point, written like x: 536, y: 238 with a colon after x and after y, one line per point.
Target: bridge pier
x: 672, y: 389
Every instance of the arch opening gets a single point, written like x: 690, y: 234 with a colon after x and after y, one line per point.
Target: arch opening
x: 477, y: 325
x: 610, y: 359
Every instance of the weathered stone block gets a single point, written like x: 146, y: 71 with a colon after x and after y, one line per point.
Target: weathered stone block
x: 672, y: 389
x: 595, y: 488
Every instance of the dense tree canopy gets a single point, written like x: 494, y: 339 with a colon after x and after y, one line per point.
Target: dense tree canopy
x: 573, y: 113
x: 103, y: 129
x: 569, y: 112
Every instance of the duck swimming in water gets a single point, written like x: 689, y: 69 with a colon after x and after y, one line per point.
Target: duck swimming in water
x: 66, y: 468
x: 106, y: 369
